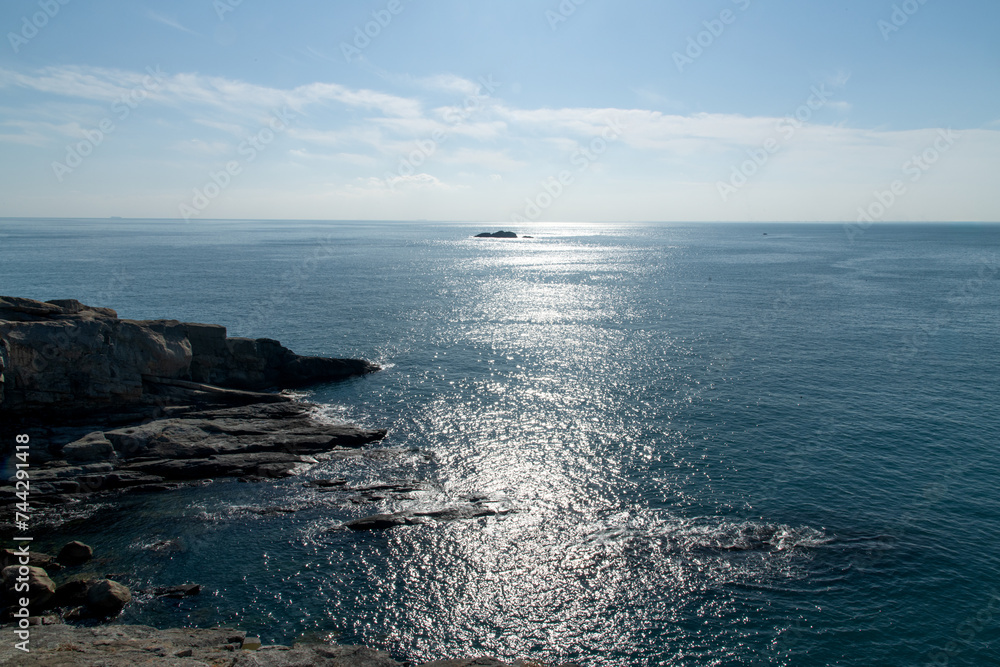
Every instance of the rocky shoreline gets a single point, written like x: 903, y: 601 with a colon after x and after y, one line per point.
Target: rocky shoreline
x: 144, y: 405
x: 115, y: 405
x: 135, y: 645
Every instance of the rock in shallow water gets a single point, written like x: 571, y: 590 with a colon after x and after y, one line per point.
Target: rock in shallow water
x: 75, y: 553
x: 107, y: 598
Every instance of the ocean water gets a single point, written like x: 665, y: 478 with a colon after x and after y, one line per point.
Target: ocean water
x: 760, y: 444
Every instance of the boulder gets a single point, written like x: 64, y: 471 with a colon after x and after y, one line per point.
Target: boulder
x: 72, y: 593
x: 75, y: 553
x: 107, y: 598
x: 89, y: 449
x: 40, y: 587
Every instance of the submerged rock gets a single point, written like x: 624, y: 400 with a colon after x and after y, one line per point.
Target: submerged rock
x: 75, y: 553
x: 177, y: 592
x: 411, y: 517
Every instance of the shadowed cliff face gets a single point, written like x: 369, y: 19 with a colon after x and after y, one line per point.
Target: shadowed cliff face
x: 66, y: 357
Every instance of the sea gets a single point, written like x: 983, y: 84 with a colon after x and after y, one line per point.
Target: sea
x: 707, y: 444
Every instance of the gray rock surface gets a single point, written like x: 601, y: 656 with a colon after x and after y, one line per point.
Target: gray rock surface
x: 258, y: 441
x: 91, y: 448
x: 137, y: 645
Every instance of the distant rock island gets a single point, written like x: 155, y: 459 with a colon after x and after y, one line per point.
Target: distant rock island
x: 497, y: 235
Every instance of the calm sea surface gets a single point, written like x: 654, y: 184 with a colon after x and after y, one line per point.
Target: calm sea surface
x: 720, y: 444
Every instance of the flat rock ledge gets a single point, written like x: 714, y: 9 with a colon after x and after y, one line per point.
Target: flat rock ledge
x: 139, y: 645
x: 252, y: 442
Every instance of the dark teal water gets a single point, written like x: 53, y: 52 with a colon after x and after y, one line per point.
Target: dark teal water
x: 721, y: 447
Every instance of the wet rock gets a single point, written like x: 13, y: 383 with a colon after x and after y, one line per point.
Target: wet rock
x: 256, y: 442
x: 75, y: 553
x: 326, y: 483
x: 107, y: 598
x: 72, y: 593
x: 411, y: 517
x: 177, y: 592
x: 381, y: 521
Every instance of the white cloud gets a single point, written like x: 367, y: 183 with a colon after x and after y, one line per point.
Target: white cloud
x: 173, y: 23
x: 662, y: 164
x: 37, y: 133
x: 233, y: 97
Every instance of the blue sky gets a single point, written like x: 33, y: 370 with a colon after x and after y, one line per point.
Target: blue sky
x: 501, y: 110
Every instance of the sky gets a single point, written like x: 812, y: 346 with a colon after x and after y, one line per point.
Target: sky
x: 501, y: 110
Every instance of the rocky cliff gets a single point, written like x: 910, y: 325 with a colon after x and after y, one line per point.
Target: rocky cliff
x: 62, y: 358
x: 119, y: 404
